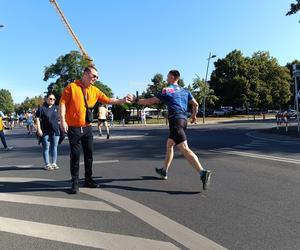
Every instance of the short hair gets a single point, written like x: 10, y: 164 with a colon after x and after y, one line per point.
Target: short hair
x: 50, y: 93
x: 89, y: 68
x: 175, y: 73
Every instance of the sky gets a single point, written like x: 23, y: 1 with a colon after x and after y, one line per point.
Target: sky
x: 131, y: 40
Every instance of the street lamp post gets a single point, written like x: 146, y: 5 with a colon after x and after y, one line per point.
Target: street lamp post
x: 204, y: 97
x: 296, y: 75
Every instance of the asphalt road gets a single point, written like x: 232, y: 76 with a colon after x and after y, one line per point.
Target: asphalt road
x: 253, y: 202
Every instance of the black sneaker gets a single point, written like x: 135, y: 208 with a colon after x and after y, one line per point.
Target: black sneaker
x: 90, y: 183
x: 205, y: 178
x: 75, y: 187
x: 107, y: 136
x: 162, y: 173
x: 100, y: 134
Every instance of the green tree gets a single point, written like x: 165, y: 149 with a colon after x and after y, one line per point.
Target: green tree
x: 67, y: 69
x: 274, y: 81
x: 181, y: 83
x: 200, y: 90
x: 30, y: 104
x: 229, y: 80
x: 6, y: 101
x: 258, y: 80
x: 295, y: 7
x: 158, y: 83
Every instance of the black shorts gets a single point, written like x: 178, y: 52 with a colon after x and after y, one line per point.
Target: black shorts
x: 102, y: 120
x: 177, y: 130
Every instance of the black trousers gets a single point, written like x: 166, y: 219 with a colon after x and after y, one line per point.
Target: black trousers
x: 81, y: 136
x: 2, y: 136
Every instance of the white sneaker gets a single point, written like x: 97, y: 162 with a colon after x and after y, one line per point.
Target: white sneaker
x: 9, y: 148
x: 48, y: 167
x: 54, y: 166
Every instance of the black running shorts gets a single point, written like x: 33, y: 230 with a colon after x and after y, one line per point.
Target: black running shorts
x: 177, y: 130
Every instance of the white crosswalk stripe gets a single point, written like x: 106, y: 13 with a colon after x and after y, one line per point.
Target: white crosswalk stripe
x: 80, y: 237
x: 89, y: 238
x: 57, y: 202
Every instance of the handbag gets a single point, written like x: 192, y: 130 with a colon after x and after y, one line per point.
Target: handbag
x: 89, y: 116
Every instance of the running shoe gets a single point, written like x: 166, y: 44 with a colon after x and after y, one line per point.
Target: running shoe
x: 54, y: 166
x: 162, y: 173
x: 205, y: 178
x: 107, y: 136
x: 48, y: 167
x: 9, y: 148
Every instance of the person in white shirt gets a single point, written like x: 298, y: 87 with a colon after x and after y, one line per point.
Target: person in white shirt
x: 102, y: 120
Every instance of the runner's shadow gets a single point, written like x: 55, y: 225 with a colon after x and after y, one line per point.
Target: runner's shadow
x: 104, y: 184
x: 149, y: 190
x: 143, y: 178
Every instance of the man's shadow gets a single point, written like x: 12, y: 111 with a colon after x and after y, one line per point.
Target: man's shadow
x: 64, y: 186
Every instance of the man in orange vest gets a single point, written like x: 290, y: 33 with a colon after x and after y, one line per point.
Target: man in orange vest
x: 76, y: 116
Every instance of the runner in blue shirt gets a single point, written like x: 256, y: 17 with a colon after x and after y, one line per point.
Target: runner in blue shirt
x: 177, y: 100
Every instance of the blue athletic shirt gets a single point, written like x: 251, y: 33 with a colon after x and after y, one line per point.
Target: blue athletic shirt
x: 177, y: 99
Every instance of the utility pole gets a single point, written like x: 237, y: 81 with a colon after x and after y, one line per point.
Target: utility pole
x: 204, y: 97
x: 296, y: 74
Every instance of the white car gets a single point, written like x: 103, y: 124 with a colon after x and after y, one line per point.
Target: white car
x: 221, y: 112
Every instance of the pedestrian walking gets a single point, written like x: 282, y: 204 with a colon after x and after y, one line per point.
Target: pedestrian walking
x: 143, y: 117
x: 29, y: 122
x: 102, y: 120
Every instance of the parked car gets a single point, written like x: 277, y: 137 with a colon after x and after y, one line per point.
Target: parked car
x: 291, y: 113
x: 222, y: 112
x: 208, y: 111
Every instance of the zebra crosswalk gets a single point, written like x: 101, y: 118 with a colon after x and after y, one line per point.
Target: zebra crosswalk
x: 86, y: 236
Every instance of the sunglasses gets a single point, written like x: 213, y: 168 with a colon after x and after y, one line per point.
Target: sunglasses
x: 94, y: 76
x: 51, y: 99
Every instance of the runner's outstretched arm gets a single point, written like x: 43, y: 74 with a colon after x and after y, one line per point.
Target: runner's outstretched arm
x: 148, y: 101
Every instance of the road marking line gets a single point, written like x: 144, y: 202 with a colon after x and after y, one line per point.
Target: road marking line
x: 118, y: 137
x: 57, y: 202
x: 255, y: 136
x: 259, y: 156
x: 82, y: 237
x: 172, y: 229
x: 20, y: 166
x: 102, y: 162
x: 181, y: 234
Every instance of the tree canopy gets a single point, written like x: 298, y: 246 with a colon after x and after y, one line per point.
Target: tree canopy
x: 67, y: 69
x: 29, y: 104
x: 258, y: 80
x: 6, y: 102
x: 295, y: 7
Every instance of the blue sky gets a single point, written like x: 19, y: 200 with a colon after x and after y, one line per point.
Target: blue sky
x: 131, y: 40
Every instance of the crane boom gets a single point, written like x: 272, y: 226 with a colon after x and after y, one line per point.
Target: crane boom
x: 70, y: 30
